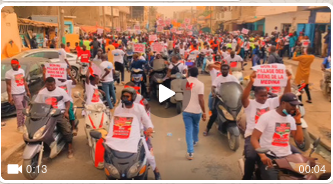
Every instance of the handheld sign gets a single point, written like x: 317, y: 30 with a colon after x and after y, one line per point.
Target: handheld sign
x: 245, y: 31
x: 189, y: 27
x: 173, y: 30
x: 159, y: 29
x: 139, y: 47
x: 270, y: 75
x: 187, y: 21
x: 118, y: 29
x: 183, y: 26
x: 157, y: 47
x: 137, y: 27
x: 168, y: 21
x: 152, y: 38
x: 56, y: 70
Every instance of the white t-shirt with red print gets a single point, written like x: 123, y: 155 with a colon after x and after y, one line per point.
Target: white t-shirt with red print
x: 214, y: 73
x: 67, y: 86
x: 233, y: 62
x: 194, y: 87
x: 49, y: 97
x: 125, y: 129
x: 254, y: 110
x: 17, y: 80
x: 92, y: 94
x: 276, y: 131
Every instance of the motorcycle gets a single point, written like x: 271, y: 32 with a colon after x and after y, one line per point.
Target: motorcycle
x: 229, y: 109
x: 128, y: 59
x: 294, y: 166
x: 325, y: 84
x: 97, y: 118
x: 122, y: 165
x: 40, y: 131
x: 177, y: 84
x: 137, y: 77
x: 83, y: 71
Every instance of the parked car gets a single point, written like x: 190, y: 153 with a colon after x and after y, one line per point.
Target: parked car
x: 53, y: 56
x: 33, y: 75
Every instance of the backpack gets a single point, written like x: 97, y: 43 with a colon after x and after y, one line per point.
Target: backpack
x: 175, y: 68
x: 277, y: 59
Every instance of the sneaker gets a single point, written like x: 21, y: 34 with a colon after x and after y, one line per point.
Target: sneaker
x: 195, y: 144
x: 167, y: 104
x: 157, y: 176
x: 189, y: 156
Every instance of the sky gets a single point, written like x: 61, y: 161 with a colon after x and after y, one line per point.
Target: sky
x: 168, y: 10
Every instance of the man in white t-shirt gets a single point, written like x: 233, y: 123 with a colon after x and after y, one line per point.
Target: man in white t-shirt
x: 92, y: 91
x: 192, y: 54
x: 273, y: 131
x: 225, y: 77
x: 62, y: 56
x: 253, y: 110
x: 16, y: 89
x: 214, y: 71
x: 233, y: 60
x: 175, y: 67
x: 58, y: 99
x: 194, y: 109
x: 118, y: 60
x: 107, y: 80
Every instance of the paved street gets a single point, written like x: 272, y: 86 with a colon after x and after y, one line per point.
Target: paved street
x: 213, y: 160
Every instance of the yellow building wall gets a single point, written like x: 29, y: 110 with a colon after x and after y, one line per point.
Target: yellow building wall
x: 72, y: 38
x: 9, y: 31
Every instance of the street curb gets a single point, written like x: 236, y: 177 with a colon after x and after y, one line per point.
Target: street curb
x: 328, y: 147
x: 12, y: 150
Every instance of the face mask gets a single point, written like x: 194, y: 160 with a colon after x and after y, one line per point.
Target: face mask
x: 285, y: 112
x: 127, y: 102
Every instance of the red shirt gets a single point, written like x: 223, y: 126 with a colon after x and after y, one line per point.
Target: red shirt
x: 116, y: 45
x: 78, y: 49
x: 85, y: 55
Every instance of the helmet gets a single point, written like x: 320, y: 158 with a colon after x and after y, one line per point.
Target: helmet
x: 130, y: 90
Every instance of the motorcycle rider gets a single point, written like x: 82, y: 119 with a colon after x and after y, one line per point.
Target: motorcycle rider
x: 253, y: 110
x: 142, y: 101
x: 92, y: 91
x: 48, y: 95
x: 138, y: 64
x: 225, y: 77
x: 129, y: 116
x: 327, y: 63
x: 175, y: 67
x: 273, y: 130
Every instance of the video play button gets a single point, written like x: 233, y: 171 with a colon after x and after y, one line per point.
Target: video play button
x: 164, y: 93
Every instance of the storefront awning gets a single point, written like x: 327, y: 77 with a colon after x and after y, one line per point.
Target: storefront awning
x: 91, y: 29
x: 253, y: 19
x: 28, y: 22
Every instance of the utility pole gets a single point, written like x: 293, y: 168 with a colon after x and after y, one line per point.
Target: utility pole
x: 61, y: 28
x: 112, y: 20
x: 211, y: 13
x: 103, y: 12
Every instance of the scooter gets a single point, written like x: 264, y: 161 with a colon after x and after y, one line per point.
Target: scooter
x: 157, y: 78
x: 177, y: 84
x: 116, y: 76
x: 296, y: 166
x: 137, y: 77
x: 325, y: 84
x: 229, y: 109
x: 97, y: 118
x: 128, y: 59
x: 122, y: 165
x: 40, y: 131
x: 83, y: 71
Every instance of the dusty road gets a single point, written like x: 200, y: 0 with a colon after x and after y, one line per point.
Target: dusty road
x: 213, y: 160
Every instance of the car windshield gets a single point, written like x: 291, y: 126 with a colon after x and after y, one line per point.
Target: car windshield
x: 6, y: 67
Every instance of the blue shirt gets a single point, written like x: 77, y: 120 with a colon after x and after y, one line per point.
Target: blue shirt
x: 292, y: 41
x: 327, y: 63
x: 138, y: 64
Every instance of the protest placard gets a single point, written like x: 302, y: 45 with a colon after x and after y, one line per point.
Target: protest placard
x: 179, y: 32
x: 183, y: 26
x: 100, y: 31
x: 270, y: 75
x: 56, y: 70
x: 245, y: 31
x: 157, y: 47
x: 137, y: 27
x: 189, y: 27
x: 139, y: 47
x: 118, y: 29
x: 168, y: 21
x: 173, y: 30
x: 152, y: 38
x: 190, y: 33
x: 160, y: 22
x: 159, y: 29
x: 187, y: 21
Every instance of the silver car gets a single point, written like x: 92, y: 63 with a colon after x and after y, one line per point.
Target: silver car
x: 53, y: 55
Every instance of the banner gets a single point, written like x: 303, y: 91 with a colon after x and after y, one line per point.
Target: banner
x: 168, y: 21
x: 157, y: 47
x: 118, y: 29
x: 139, y: 47
x: 56, y: 70
x: 100, y: 31
x: 270, y: 75
x: 179, y: 32
x: 245, y: 31
x: 160, y: 22
x: 159, y: 29
x: 183, y: 26
x: 137, y: 27
x: 173, y: 30
x: 152, y: 38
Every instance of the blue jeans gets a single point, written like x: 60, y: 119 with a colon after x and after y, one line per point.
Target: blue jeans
x: 210, y: 101
x: 191, y: 129
x: 107, y: 88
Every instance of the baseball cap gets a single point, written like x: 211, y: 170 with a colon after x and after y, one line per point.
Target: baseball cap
x: 290, y: 98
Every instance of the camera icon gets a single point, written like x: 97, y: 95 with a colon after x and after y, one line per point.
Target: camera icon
x: 14, y: 169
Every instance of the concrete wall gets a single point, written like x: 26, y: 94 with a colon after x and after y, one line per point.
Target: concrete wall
x: 9, y: 30
x: 293, y: 18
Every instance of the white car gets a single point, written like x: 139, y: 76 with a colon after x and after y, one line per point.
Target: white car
x: 53, y: 55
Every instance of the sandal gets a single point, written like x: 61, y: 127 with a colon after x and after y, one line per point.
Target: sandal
x: 70, y: 154
x: 309, y: 101
x: 205, y: 133
x: 75, y: 132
